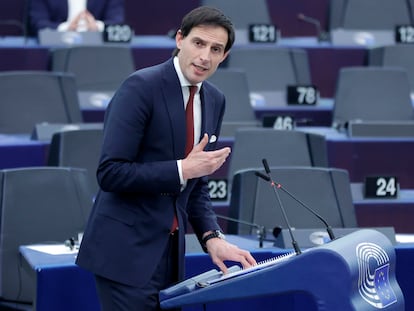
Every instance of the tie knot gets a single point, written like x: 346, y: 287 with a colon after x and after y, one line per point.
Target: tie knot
x: 193, y: 90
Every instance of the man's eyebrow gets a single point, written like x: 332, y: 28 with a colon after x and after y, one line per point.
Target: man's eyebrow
x: 216, y: 44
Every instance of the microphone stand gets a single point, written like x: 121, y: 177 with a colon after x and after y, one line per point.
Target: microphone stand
x: 322, y: 35
x: 327, y: 226
x: 261, y: 230
x: 279, y: 186
x: 272, y: 183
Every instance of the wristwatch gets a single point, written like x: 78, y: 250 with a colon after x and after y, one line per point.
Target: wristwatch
x: 212, y: 235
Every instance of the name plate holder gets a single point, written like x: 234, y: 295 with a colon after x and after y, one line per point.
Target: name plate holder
x: 404, y: 34
x: 362, y: 37
x: 258, y: 33
x: 263, y: 33
x: 279, y: 122
x: 44, y: 131
x: 112, y: 34
x: 303, y: 95
x: 381, y: 187
x: 367, y: 128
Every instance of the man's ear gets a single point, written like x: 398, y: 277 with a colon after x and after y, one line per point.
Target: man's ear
x: 225, y: 56
x: 178, y: 38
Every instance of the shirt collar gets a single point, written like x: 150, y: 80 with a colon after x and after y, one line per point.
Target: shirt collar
x: 183, y: 81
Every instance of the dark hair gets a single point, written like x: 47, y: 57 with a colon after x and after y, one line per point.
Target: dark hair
x: 205, y: 15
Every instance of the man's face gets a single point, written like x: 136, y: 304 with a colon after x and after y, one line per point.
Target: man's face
x: 201, y: 52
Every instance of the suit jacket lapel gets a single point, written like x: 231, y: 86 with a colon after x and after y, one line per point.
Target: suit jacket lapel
x: 207, y: 111
x: 173, y: 99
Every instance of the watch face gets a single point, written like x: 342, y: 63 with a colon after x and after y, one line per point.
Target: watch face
x: 220, y: 235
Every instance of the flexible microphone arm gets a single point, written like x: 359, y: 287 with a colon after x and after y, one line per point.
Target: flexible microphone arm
x: 294, y: 243
x: 261, y: 230
x: 322, y: 35
x: 279, y: 186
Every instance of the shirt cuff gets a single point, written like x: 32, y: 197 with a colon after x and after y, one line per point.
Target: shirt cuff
x: 100, y: 25
x: 180, y: 173
x: 63, y: 26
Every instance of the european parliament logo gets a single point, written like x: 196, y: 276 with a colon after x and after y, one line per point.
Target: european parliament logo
x: 373, y: 283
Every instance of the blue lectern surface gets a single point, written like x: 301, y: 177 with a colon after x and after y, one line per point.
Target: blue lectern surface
x: 355, y: 272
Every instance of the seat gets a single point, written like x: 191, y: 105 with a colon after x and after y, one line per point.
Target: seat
x: 325, y: 190
x: 399, y: 55
x: 369, y: 14
x: 99, y: 70
x: 37, y: 205
x: 367, y: 22
x: 239, y: 112
x: 279, y: 147
x: 372, y: 94
x: 242, y: 14
x: 31, y: 97
x: 270, y: 70
x: 13, y: 18
x: 77, y: 148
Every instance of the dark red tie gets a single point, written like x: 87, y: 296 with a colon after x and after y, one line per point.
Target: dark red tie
x: 189, y: 143
x: 189, y: 119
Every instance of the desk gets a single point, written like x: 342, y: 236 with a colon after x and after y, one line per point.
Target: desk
x: 61, y: 285
x: 20, y: 151
x: 370, y: 156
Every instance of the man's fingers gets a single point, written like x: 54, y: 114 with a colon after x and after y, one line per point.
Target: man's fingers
x: 221, y: 266
x: 201, y: 145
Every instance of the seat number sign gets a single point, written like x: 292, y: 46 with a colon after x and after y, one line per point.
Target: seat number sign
x: 117, y: 33
x: 302, y: 95
x: 262, y: 33
x: 218, y: 189
x: 381, y: 187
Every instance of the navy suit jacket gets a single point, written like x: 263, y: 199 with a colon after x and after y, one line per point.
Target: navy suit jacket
x: 144, y: 135
x: 51, y: 13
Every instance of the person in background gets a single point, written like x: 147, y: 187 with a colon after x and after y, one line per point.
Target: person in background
x: 132, y: 243
x: 75, y: 15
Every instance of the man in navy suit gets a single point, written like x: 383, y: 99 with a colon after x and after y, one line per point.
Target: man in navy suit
x: 75, y: 15
x: 146, y: 180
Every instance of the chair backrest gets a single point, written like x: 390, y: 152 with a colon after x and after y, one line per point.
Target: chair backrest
x: 239, y: 111
x: 13, y: 18
x: 37, y: 205
x: 77, y: 148
x: 278, y: 147
x: 271, y: 70
x: 372, y: 94
x: 96, y: 68
x: 369, y: 14
x: 398, y: 55
x: 31, y: 97
x: 242, y: 13
x: 325, y: 190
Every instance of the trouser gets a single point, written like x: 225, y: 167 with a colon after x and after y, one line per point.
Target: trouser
x: 114, y: 296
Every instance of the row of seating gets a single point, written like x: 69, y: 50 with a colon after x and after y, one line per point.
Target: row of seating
x: 378, y: 92
x: 45, y: 205
x: 32, y: 97
x: 263, y: 72
x: 250, y: 196
x: 55, y: 201
x: 347, y: 14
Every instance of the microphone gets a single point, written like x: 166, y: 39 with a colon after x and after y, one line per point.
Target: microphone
x: 261, y: 230
x: 269, y: 178
x: 312, y: 211
x: 322, y: 35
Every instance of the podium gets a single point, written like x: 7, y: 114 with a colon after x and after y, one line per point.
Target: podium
x: 354, y: 272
